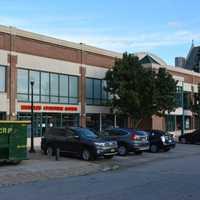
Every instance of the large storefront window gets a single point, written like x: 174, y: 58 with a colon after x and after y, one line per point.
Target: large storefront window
x: 48, y: 87
x: 95, y: 92
x: 2, y: 78
x: 46, y: 120
x: 187, y: 100
x: 170, y: 122
x: 35, y: 77
x: 2, y: 115
x: 105, y: 121
x: 179, y: 96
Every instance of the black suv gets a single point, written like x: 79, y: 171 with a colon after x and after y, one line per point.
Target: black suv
x: 160, y: 140
x: 129, y: 140
x: 192, y: 138
x: 80, y: 142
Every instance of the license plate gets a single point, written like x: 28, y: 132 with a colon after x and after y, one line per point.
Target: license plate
x: 112, y: 150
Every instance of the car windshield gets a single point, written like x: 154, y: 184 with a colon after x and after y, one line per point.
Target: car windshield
x: 84, y: 132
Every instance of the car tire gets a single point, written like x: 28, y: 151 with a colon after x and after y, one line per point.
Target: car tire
x: 108, y: 157
x: 122, y: 150
x: 57, y: 153
x: 154, y: 148
x: 138, y: 152
x: 183, y: 141
x: 16, y: 162
x: 50, y: 151
x: 166, y: 150
x: 86, y: 155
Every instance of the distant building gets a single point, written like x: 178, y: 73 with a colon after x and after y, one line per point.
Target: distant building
x: 193, y: 59
x: 180, y: 62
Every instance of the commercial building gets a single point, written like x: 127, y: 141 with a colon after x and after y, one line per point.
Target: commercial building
x: 69, y: 84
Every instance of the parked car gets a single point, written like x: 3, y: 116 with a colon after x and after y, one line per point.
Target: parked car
x: 160, y: 140
x: 192, y: 138
x: 129, y: 140
x: 80, y: 142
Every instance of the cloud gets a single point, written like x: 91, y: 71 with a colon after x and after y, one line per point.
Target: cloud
x: 135, y: 41
x: 174, y: 24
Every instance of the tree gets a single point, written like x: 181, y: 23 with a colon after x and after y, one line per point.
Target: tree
x: 165, y: 92
x: 137, y: 91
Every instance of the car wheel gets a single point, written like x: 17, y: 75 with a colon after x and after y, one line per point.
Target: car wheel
x: 154, y: 148
x: 50, y: 152
x: 86, y: 155
x: 15, y: 162
x: 139, y: 152
x: 108, y: 157
x: 166, y: 150
x: 122, y: 150
x: 183, y: 141
x: 57, y: 153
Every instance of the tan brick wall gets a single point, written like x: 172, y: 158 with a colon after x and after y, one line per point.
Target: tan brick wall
x: 82, y: 96
x: 12, y: 85
x: 158, y: 123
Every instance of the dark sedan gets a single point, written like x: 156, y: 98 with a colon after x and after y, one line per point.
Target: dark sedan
x: 160, y: 140
x: 129, y: 140
x: 191, y: 138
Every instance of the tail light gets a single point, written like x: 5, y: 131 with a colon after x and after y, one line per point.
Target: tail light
x: 134, y: 137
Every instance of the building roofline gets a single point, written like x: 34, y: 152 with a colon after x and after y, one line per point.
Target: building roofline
x: 80, y: 46
x: 176, y: 69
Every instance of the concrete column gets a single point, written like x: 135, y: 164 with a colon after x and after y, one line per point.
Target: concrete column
x: 82, y: 96
x: 12, y: 85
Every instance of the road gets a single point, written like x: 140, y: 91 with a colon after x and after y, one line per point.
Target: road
x: 176, y: 179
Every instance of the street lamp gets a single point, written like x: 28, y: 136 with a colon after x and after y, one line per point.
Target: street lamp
x: 183, y: 114
x: 32, y: 150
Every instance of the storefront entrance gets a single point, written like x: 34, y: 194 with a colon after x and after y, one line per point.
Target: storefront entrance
x: 2, y: 115
x: 46, y: 120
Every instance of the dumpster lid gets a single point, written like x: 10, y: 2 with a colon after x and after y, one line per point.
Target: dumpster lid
x: 14, y: 122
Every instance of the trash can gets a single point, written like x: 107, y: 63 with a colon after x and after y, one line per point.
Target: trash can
x: 13, y: 141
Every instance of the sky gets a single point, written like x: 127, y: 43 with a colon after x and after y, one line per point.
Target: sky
x: 163, y: 27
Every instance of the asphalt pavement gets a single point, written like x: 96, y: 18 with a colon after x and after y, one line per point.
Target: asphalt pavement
x: 173, y: 176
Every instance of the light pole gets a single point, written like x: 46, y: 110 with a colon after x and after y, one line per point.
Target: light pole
x: 183, y: 114
x: 32, y: 150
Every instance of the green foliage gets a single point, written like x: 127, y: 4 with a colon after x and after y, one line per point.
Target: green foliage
x: 140, y: 92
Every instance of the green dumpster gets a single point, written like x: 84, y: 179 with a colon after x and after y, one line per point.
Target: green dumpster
x: 13, y: 141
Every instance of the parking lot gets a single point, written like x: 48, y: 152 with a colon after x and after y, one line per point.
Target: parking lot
x: 40, y: 167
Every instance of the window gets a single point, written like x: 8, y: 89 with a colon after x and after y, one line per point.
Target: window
x: 35, y: 77
x: 48, y: 87
x: 63, y: 89
x: 73, y: 90
x: 179, y: 96
x: 89, y: 90
x: 45, y: 87
x: 54, y: 88
x: 95, y: 92
x: 2, y: 78
x: 170, y: 122
x: 22, y: 85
